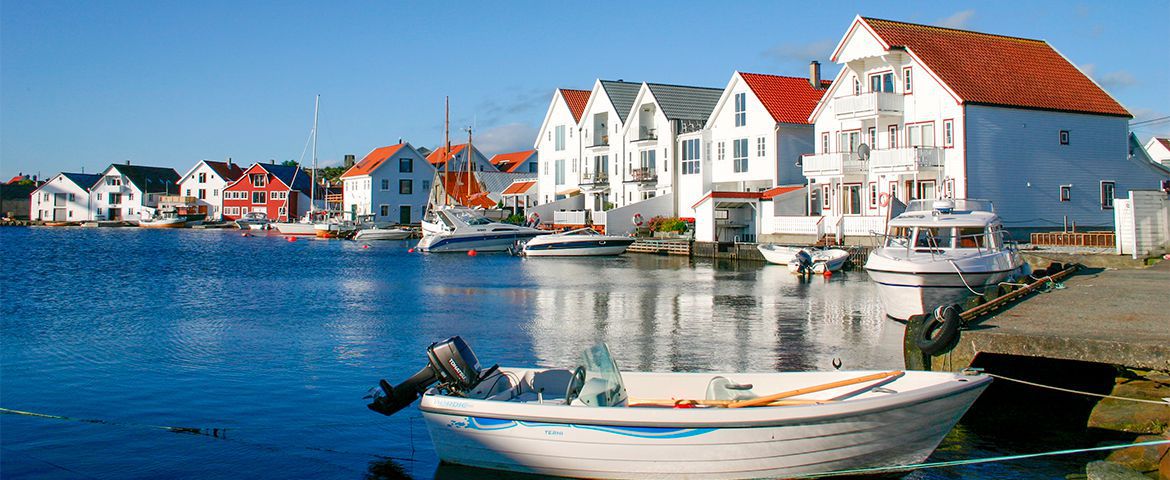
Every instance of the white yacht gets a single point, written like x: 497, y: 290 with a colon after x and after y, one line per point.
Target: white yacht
x: 582, y: 242
x: 382, y: 233
x: 254, y: 221
x: 939, y: 252
x: 460, y: 229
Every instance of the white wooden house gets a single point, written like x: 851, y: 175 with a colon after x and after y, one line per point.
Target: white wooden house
x: 205, y: 182
x: 1158, y: 149
x: 131, y: 192
x: 391, y: 183
x: 558, y: 143
x: 602, y: 126
x: 1014, y: 122
x: 752, y: 143
x: 64, y: 198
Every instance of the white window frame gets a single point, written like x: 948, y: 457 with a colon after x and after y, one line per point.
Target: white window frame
x: 261, y: 193
x: 907, y: 80
x: 259, y: 180
x: 1107, y: 202
x: 948, y: 133
x: 1066, y: 193
x: 740, y: 109
x: 740, y: 155
x: 385, y: 184
x: 761, y: 147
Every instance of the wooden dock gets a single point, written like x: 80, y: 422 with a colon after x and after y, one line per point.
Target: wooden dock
x: 661, y: 246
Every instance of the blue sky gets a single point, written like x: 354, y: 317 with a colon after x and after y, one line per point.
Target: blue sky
x: 167, y: 83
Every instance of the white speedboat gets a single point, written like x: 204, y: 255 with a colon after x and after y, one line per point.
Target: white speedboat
x: 382, y: 233
x: 595, y: 421
x: 461, y: 229
x: 818, y: 261
x: 254, y: 221
x: 577, y: 243
x: 778, y: 254
x: 939, y: 252
x: 164, y: 219
x: 334, y: 228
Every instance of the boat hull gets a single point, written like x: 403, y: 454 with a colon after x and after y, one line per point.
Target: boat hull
x: 578, y: 247
x: 163, y: 224
x: 908, y: 287
x: 381, y: 234
x: 764, y: 442
x: 777, y: 254
x: 294, y: 228
x: 480, y: 242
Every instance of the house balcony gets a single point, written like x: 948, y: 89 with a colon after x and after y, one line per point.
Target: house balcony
x: 831, y: 164
x: 868, y: 105
x: 647, y: 134
x: 595, y: 181
x: 905, y: 160
x: 643, y: 175
x: 599, y: 142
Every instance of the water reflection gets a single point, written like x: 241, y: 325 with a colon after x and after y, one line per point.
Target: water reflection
x: 669, y: 314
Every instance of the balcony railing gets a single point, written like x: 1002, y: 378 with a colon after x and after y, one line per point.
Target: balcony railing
x: 868, y: 105
x: 831, y: 164
x: 905, y: 160
x: 600, y: 141
x: 644, y: 174
x: 591, y: 178
x: 646, y: 133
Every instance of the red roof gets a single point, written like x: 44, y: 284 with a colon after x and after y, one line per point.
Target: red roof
x: 519, y: 188
x: 228, y: 171
x: 788, y: 99
x: 576, y: 100
x: 372, y: 161
x: 15, y: 179
x: 507, y: 162
x: 778, y: 191
x: 997, y: 70
x: 441, y: 155
x: 1164, y: 141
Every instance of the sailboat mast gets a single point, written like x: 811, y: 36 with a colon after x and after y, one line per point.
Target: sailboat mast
x: 468, y: 196
x: 446, y: 142
x: 313, y: 189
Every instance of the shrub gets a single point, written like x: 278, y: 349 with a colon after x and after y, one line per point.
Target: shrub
x: 667, y: 224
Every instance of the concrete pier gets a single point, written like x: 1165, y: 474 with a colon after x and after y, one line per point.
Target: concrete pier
x: 1116, y: 317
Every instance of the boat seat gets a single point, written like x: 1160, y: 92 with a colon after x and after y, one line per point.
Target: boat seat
x: 720, y: 388
x: 550, y: 384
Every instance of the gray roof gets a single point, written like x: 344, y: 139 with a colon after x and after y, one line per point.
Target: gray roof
x: 622, y: 94
x: 688, y: 104
x: 150, y: 179
x: 496, y: 182
x: 83, y: 180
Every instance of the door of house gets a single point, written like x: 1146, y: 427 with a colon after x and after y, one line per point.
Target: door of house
x: 404, y: 214
x: 115, y: 214
x: 59, y: 215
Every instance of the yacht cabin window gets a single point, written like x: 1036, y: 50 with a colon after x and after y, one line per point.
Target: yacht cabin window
x: 934, y: 237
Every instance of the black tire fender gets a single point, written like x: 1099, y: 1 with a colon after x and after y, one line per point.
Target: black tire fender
x: 940, y: 329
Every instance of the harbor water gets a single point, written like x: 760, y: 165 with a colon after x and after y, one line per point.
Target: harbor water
x: 268, y: 346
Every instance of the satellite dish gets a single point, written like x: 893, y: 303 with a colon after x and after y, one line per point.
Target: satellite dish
x: 863, y: 152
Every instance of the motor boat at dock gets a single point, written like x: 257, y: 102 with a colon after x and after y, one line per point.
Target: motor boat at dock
x: 778, y: 254
x: 577, y: 243
x: 818, y: 261
x: 457, y: 228
x: 371, y: 233
x: 254, y: 221
x: 169, y: 218
x: 939, y: 252
x: 596, y: 421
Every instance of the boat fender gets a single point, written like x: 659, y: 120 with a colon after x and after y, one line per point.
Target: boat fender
x: 291, y: 239
x: 410, y: 250
x: 637, y: 219
x: 1054, y: 268
x: 884, y: 199
x: 472, y: 253
x: 939, y: 329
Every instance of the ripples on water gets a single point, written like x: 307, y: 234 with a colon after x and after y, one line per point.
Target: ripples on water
x: 278, y: 342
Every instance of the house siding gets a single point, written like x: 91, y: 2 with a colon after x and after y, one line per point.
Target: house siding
x: 791, y: 142
x: 1015, y: 159
x: 41, y: 208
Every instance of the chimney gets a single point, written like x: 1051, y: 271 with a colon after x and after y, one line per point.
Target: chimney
x: 814, y: 74
x: 127, y: 162
x: 349, y: 160
x: 229, y: 161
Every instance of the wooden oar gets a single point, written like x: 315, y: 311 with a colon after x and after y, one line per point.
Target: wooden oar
x: 670, y: 402
x: 818, y: 388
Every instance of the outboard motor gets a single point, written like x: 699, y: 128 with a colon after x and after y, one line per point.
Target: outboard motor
x: 452, y: 365
x: 803, y: 262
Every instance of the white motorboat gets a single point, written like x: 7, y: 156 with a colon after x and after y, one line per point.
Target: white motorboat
x: 460, y: 229
x: 254, y: 221
x: 818, y: 261
x: 335, y: 228
x: 938, y: 253
x: 778, y: 254
x: 577, y: 243
x: 169, y: 218
x: 597, y: 422
x: 382, y: 233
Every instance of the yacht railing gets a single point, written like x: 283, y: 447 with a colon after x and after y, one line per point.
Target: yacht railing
x: 956, y: 204
x: 978, y: 241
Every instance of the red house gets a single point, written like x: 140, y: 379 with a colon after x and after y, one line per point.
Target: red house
x: 281, y: 191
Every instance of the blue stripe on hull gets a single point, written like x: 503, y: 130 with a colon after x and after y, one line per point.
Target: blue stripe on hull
x: 580, y: 244
x: 490, y: 424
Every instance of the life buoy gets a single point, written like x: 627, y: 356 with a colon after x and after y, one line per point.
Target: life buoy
x: 637, y: 219
x: 884, y: 199
x: 534, y: 219
x: 939, y: 329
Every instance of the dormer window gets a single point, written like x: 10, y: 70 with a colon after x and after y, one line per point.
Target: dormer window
x: 259, y: 180
x: 882, y: 82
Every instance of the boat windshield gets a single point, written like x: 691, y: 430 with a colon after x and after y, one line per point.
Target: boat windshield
x: 934, y: 237
x: 468, y: 217
x: 954, y: 204
x: 603, y: 381
x: 899, y: 237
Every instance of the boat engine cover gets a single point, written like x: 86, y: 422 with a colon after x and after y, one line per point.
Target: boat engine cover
x: 455, y: 364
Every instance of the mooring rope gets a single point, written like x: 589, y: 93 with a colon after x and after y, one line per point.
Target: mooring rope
x: 960, y: 272
x: 973, y: 461
x: 1164, y: 401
